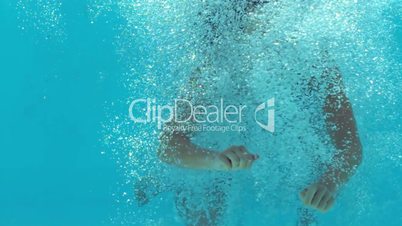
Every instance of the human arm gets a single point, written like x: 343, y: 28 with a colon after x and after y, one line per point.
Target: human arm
x: 341, y: 126
x: 177, y: 149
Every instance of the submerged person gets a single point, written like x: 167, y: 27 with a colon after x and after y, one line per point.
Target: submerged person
x: 177, y: 146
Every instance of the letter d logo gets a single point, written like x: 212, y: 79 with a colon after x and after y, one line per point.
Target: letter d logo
x: 270, y: 104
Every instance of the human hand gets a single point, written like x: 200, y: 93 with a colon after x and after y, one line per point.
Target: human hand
x: 319, y: 196
x: 236, y: 158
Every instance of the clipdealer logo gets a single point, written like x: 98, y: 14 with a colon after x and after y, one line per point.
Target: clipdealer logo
x: 147, y: 110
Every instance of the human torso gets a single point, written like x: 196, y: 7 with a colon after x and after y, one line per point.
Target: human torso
x: 270, y: 62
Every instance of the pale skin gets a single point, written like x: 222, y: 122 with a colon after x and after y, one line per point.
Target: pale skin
x: 179, y: 151
x: 344, y: 136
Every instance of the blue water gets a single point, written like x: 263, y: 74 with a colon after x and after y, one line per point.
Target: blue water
x: 53, y: 95
x: 65, y: 80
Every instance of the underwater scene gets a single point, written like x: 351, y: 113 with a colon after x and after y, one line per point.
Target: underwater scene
x: 201, y: 112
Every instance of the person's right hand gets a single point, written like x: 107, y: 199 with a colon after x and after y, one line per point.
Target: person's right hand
x: 236, y: 158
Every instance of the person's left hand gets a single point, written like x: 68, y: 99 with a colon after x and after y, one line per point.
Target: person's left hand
x: 319, y: 196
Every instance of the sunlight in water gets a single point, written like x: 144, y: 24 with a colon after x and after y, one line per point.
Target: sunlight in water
x: 271, y: 50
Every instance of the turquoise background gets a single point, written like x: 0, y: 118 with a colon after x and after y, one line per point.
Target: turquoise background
x: 53, y: 96
x: 52, y: 104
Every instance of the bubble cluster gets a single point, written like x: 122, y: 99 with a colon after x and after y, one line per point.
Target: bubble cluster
x: 43, y: 16
x: 257, y: 52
